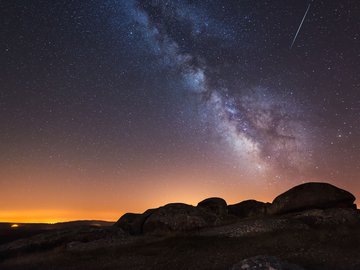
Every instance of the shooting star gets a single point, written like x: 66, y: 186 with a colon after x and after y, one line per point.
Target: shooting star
x: 302, y: 21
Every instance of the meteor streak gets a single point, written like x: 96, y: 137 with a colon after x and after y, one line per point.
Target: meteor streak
x: 302, y: 21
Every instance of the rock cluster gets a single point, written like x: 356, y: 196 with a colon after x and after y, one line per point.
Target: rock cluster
x: 176, y: 217
x: 310, y: 203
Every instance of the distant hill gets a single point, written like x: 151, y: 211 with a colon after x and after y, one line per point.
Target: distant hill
x: 9, y: 233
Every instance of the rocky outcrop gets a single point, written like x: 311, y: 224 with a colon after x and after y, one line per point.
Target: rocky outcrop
x: 217, y: 206
x: 177, y: 217
x: 249, y: 208
x: 173, y: 217
x: 264, y: 263
x: 299, y: 204
x: 129, y: 223
x: 133, y: 223
x: 312, y: 196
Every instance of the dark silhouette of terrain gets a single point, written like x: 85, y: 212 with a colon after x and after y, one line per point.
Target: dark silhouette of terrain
x: 311, y: 226
x: 24, y: 230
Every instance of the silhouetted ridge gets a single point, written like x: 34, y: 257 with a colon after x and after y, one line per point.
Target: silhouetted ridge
x: 180, y: 217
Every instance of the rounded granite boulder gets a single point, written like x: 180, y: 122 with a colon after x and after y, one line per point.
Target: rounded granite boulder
x: 177, y: 217
x: 248, y: 208
x: 133, y: 223
x: 215, y: 205
x: 311, y: 195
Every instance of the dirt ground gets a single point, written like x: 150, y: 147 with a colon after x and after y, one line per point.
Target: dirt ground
x: 334, y: 247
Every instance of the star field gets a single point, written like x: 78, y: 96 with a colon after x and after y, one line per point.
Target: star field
x: 113, y: 106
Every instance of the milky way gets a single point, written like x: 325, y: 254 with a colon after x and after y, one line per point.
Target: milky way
x: 264, y: 129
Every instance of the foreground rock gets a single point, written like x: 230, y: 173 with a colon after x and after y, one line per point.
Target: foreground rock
x: 264, y: 263
x: 130, y: 222
x: 249, y: 208
x: 312, y: 196
x: 217, y: 206
x: 177, y: 217
x: 133, y: 223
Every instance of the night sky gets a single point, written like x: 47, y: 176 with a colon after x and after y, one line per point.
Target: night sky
x: 115, y: 106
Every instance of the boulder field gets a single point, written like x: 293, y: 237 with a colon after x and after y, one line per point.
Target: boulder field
x: 313, y: 201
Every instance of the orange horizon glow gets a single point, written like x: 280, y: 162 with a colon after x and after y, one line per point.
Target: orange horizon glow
x: 61, y: 196
x: 33, y: 194
x: 52, y: 216
x: 55, y: 216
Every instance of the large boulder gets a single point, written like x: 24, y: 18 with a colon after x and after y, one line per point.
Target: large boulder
x: 248, y: 208
x: 177, y: 217
x: 127, y: 221
x: 217, y: 206
x: 133, y: 223
x: 312, y: 196
x: 264, y: 263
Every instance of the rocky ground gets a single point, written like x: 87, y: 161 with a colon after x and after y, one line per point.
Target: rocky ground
x: 319, y: 231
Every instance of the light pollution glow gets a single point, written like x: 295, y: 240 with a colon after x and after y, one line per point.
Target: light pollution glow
x: 76, y: 197
x: 80, y: 197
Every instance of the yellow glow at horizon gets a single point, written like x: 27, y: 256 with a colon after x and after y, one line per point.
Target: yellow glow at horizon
x: 14, y: 226
x: 52, y: 216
